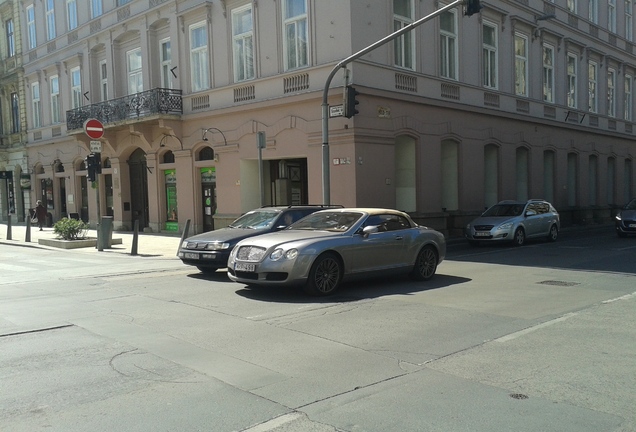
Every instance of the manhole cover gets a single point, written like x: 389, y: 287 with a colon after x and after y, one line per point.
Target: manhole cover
x: 558, y: 283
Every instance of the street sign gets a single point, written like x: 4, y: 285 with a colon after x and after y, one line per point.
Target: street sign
x: 336, y: 111
x: 94, y: 128
x: 96, y: 146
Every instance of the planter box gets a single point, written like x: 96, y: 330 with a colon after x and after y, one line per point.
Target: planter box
x: 74, y: 244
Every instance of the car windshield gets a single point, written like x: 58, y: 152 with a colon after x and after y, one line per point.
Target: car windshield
x: 255, y: 220
x: 631, y: 205
x: 504, y: 210
x: 327, y: 221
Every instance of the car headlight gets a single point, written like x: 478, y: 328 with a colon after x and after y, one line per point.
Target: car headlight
x: 217, y: 246
x: 505, y: 226
x: 468, y: 227
x: 619, y: 217
x: 184, y: 244
x: 280, y: 253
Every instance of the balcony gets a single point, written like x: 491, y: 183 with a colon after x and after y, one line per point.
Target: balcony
x: 132, y: 107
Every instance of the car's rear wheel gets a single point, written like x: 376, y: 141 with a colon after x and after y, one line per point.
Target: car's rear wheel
x: 207, y: 270
x: 554, y: 233
x: 325, y: 275
x: 520, y: 237
x: 425, y: 264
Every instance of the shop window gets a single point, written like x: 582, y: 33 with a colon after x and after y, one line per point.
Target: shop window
x: 168, y: 157
x: 206, y: 153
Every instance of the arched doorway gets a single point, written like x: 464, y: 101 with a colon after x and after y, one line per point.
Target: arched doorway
x: 139, y: 187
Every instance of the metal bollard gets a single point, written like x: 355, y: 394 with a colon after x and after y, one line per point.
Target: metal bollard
x: 186, y: 229
x: 27, y: 235
x: 133, y: 250
x: 9, y: 226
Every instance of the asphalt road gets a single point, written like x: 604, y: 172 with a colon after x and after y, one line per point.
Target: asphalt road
x: 537, y: 338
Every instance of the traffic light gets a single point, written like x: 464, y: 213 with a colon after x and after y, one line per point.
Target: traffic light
x: 350, y: 101
x: 472, y: 7
x: 93, y: 166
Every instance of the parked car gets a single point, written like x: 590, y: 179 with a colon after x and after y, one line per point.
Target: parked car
x: 515, y: 221
x: 209, y: 251
x: 626, y: 219
x: 330, y: 246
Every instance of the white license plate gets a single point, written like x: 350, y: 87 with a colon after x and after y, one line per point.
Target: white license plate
x: 632, y: 225
x: 482, y: 234
x: 191, y: 255
x: 244, y: 267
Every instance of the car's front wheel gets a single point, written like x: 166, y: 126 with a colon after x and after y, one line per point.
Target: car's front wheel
x: 425, y: 264
x: 520, y: 237
x: 554, y: 233
x: 325, y: 275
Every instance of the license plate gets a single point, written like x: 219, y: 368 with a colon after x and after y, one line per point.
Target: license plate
x: 189, y: 255
x: 244, y: 267
x: 482, y: 234
x: 632, y: 225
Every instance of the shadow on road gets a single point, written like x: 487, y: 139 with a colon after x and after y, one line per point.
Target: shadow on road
x: 351, y: 291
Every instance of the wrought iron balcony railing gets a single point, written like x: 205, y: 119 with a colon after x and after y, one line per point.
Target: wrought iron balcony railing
x: 135, y: 106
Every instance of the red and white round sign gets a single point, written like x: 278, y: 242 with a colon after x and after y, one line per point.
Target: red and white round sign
x: 94, y: 128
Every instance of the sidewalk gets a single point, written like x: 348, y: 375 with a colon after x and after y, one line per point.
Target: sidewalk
x: 150, y: 245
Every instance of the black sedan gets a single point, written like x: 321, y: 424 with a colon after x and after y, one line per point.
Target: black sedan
x: 626, y: 219
x: 210, y: 251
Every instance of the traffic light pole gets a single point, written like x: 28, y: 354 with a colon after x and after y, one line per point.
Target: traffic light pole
x: 326, y: 193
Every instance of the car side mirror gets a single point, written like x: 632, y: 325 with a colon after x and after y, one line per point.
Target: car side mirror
x: 531, y: 213
x: 371, y: 229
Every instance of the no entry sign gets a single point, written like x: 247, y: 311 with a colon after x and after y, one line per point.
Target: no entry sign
x: 94, y: 128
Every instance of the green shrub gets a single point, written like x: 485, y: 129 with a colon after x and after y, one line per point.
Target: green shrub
x: 70, y: 229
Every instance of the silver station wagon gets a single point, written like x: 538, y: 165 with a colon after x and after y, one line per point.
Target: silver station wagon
x: 327, y: 247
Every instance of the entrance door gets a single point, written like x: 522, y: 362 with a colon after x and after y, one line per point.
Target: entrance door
x: 208, y: 196
x: 139, y: 188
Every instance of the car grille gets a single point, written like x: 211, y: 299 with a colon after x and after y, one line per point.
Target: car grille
x: 250, y: 253
x: 627, y: 223
x: 196, y: 245
x: 484, y: 227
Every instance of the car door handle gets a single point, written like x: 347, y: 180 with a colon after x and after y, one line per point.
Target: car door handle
x: 399, y: 237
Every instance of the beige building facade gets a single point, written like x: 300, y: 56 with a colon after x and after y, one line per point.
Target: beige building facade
x: 524, y: 100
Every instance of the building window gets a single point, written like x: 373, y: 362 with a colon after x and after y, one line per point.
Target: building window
x: 103, y: 81
x: 15, y: 113
x: 71, y: 13
x: 96, y: 8
x: 50, y: 19
x: 490, y: 43
x: 548, y: 73
x: 403, y: 46
x: 122, y: 2
x: 522, y: 173
x: 548, y: 175
x: 199, y: 67
x: 76, y: 88
x: 611, y: 181
x: 405, y: 173
x: 571, y: 4
x: 629, y: 20
x: 448, y: 44
x: 54, y: 83
x: 521, y: 65
x: 31, y: 34
x: 135, y: 73
x: 450, y: 175
x: 35, y: 104
x: 593, y: 11
x: 10, y: 38
x: 611, y: 93
x: 572, y: 183
x: 243, y: 42
x: 296, y: 34
x: 491, y: 175
x: 611, y: 15
x: 572, y: 74
x: 166, y: 61
x: 627, y: 181
x: 629, y: 82
x: 592, y: 72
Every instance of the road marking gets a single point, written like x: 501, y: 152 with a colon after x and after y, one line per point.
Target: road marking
x: 625, y: 297
x: 275, y: 422
x: 534, y: 328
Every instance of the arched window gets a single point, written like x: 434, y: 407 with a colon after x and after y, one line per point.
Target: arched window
x: 491, y: 175
x: 168, y: 157
x: 548, y: 175
x: 523, y: 180
x: 573, y: 184
x: 405, y: 187
x: 206, y: 153
x: 593, y: 180
x: 450, y: 175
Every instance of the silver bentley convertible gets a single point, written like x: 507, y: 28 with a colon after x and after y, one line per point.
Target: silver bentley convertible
x: 325, y: 248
